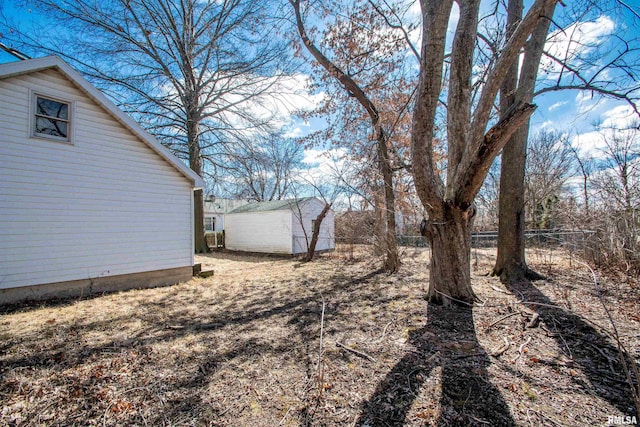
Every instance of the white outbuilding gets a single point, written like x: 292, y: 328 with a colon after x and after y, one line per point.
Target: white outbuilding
x: 278, y: 227
x: 89, y: 201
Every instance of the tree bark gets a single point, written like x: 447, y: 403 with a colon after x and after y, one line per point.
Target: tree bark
x: 450, y: 240
x: 200, y: 244
x: 511, y: 264
x: 392, y: 259
x: 195, y: 163
x: 311, y: 250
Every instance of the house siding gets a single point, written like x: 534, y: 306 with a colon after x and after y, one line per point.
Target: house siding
x: 103, y: 205
x: 268, y: 232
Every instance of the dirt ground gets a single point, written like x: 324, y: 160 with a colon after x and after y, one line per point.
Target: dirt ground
x: 274, y: 342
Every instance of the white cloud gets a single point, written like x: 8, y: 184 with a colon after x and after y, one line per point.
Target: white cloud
x: 619, y: 117
x: 295, y: 132
x: 588, y: 101
x: 589, y: 144
x: 277, y: 99
x: 324, y: 162
x: 558, y: 105
x: 573, y: 42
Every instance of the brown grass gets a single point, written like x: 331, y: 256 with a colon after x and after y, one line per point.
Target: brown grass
x: 242, y: 349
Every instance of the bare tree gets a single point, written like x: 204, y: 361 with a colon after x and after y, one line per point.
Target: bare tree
x: 618, y: 187
x: 182, y: 69
x: 568, y: 63
x: 549, y: 164
x: 585, y: 168
x: 261, y: 169
x: 471, y: 148
x: 326, y: 185
x: 349, y: 66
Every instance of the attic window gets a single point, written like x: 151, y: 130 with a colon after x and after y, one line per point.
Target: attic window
x: 52, y: 118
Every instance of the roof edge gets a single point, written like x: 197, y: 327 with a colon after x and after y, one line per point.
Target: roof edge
x: 12, y: 69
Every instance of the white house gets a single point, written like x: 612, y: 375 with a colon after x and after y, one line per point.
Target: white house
x: 89, y: 201
x: 280, y: 227
x: 214, y: 211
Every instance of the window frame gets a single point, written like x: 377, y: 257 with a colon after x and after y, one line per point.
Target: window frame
x: 213, y: 224
x: 34, y: 116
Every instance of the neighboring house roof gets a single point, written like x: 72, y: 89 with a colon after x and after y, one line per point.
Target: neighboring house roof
x: 274, y: 205
x: 222, y: 206
x: 12, y: 69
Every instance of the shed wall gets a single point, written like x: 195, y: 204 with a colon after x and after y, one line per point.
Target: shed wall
x: 303, y: 229
x: 104, y: 205
x: 268, y: 232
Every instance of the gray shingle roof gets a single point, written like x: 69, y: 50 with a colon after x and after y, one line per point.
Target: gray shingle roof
x: 274, y: 205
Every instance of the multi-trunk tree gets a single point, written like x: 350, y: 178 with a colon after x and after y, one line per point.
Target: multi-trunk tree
x: 472, y: 144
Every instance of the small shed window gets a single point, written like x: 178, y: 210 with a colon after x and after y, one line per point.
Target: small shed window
x: 209, y: 224
x: 52, y: 118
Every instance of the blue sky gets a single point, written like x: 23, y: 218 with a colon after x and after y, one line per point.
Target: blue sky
x: 571, y: 111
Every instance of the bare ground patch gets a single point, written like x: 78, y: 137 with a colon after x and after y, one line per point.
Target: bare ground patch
x: 243, y: 349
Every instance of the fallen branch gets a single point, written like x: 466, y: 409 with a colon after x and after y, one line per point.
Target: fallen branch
x: 623, y: 353
x: 503, y: 347
x: 354, y: 351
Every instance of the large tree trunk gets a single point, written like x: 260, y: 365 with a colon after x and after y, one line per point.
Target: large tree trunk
x: 200, y: 243
x: 511, y: 264
x: 450, y: 240
x: 195, y: 163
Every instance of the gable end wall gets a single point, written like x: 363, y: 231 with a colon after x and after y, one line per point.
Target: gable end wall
x: 104, y: 205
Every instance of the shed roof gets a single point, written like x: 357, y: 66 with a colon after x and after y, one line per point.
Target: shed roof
x: 274, y: 205
x: 54, y: 62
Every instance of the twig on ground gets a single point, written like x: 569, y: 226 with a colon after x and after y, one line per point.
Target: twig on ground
x: 501, y: 319
x: 562, y: 338
x: 460, y: 301
x: 384, y: 331
x: 533, y: 322
x: 354, y: 351
x: 544, y: 416
x: 285, y: 416
x: 622, y: 351
x: 321, y: 335
x: 525, y: 302
x: 497, y: 289
x: 504, y: 347
x: 521, y: 349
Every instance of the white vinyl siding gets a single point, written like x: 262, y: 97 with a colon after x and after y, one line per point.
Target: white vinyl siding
x: 303, y: 229
x: 279, y: 231
x: 268, y: 232
x: 106, y: 205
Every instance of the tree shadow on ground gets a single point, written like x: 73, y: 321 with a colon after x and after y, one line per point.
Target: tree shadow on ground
x: 182, y: 395
x: 587, y: 348
x: 468, y: 398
